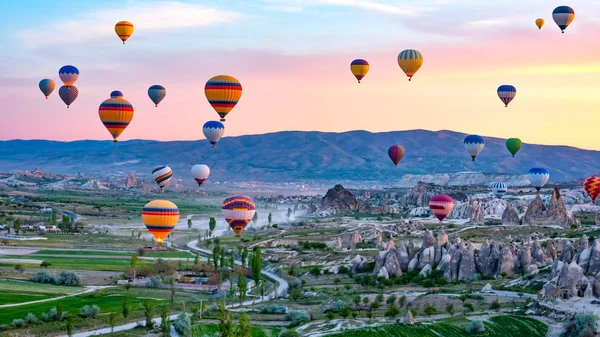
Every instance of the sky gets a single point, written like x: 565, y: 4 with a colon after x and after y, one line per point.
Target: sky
x: 292, y: 58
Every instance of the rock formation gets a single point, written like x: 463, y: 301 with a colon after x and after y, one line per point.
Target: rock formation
x: 131, y: 181
x: 339, y: 199
x: 510, y: 216
x: 555, y: 213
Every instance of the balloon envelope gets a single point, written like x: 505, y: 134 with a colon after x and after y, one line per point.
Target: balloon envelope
x: 47, y: 86
x: 124, y: 29
x: 157, y: 93
x: 410, y: 61
x: 223, y: 92
x: 474, y: 144
x: 441, y: 205
x: 592, y: 187
x: 538, y: 177
x: 513, y: 145
x: 499, y: 189
x: 68, y: 75
x: 68, y: 94
x: 396, y: 153
x: 539, y: 23
x: 238, y: 211
x: 115, y: 113
x: 160, y: 217
x: 507, y: 93
x: 563, y: 16
x: 213, y: 131
x: 359, y: 68
x: 200, y: 173
x: 162, y: 175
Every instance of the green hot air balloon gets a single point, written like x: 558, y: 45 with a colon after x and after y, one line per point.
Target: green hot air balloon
x: 513, y: 145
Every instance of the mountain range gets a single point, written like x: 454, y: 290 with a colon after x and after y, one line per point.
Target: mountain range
x: 299, y: 155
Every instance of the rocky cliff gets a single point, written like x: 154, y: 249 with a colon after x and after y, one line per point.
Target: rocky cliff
x: 339, y: 200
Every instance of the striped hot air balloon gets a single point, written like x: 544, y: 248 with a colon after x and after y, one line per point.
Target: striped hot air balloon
x: 538, y: 177
x: 160, y: 217
x: 124, y: 29
x: 474, y: 144
x: 68, y: 75
x: 513, y: 145
x: 396, y: 153
x: 223, y: 92
x: 499, y: 189
x: 115, y: 113
x: 157, y: 93
x: 441, y: 205
x: 410, y: 61
x: 68, y: 94
x: 47, y: 86
x: 213, y: 131
x: 592, y: 187
x: 200, y: 173
x: 162, y: 175
x: 507, y: 93
x: 563, y: 16
x: 359, y: 68
x: 238, y: 211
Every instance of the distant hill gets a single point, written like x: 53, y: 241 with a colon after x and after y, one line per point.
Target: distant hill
x: 297, y: 155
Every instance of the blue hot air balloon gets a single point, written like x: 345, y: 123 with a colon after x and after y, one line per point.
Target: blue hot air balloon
x: 69, y: 75
x: 47, y: 86
x: 157, y: 93
x: 213, y: 131
x: 538, y: 177
x: 506, y: 93
x: 474, y: 144
x: 563, y: 16
x: 499, y: 189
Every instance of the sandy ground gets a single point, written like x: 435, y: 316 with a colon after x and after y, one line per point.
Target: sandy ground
x: 17, y: 251
x: 27, y: 261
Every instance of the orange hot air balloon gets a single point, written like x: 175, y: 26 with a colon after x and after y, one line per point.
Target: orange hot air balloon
x: 124, y: 29
x: 115, y: 113
x: 223, y: 92
x: 160, y: 217
x: 539, y: 23
x: 592, y: 187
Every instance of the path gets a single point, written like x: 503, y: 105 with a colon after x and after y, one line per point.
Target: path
x: 89, y: 289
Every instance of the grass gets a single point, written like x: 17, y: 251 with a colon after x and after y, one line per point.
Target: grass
x: 75, y: 263
x: 13, y: 298
x: 168, y: 254
x: 213, y: 329
x: 499, y: 326
x: 36, y: 288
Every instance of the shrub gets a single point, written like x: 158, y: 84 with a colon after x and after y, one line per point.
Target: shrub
x: 18, y: 323
x: 297, y: 317
x: 89, y: 312
x: 430, y: 310
x: 336, y: 306
x: 45, y: 318
x: 43, y: 277
x: 272, y: 309
x: 53, y: 314
x: 495, y: 305
x: 475, y: 328
x: 155, y: 282
x: 392, y: 311
x: 330, y: 316
x: 31, y: 318
x: 141, y: 251
x: 68, y: 278
x: 343, y: 270
x: 582, y: 325
x: 290, y: 333
x: 182, y: 323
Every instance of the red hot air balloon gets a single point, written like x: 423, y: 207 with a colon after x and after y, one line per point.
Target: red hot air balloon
x: 592, y: 187
x: 396, y: 153
x: 441, y: 205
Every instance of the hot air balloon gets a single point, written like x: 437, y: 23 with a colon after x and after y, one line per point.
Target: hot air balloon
x: 124, y: 29
x: 513, y: 145
x: 68, y: 94
x: 238, y: 212
x: 47, y: 86
x: 68, y: 75
x: 213, y: 131
x: 563, y: 16
x: 592, y: 187
x: 506, y: 93
x: 115, y: 113
x: 539, y: 23
x: 359, y: 68
x: 441, y: 205
x: 162, y: 175
x: 157, y: 93
x: 499, y: 189
x: 474, y: 144
x: 396, y: 153
x: 200, y: 173
x: 160, y: 217
x: 538, y: 177
x: 410, y: 61
x: 223, y: 92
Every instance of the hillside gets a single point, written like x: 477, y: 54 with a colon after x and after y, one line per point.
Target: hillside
x: 295, y: 155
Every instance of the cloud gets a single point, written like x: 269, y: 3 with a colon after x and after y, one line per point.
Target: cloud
x: 491, y: 22
x: 146, y: 16
x: 376, y: 6
x: 284, y: 9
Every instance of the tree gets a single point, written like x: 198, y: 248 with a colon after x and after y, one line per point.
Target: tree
x: 133, y: 262
x: 59, y: 310
x: 495, y: 305
x: 475, y: 328
x: 215, y: 255
x: 450, y: 309
x: 379, y: 298
x: 365, y: 300
x: 392, y: 311
x: 256, y: 264
x: 222, y: 260
x: 391, y: 299
x: 270, y: 218
x: 197, y: 258
x: 244, y: 256
x: 225, y: 326
x: 296, y: 294
x: 53, y: 219
x: 370, y: 314
x: 430, y: 310
x: 19, y: 268
x: 356, y: 300
x: 212, y: 224
x: 402, y: 301
x: 315, y: 271
x: 330, y: 316
x: 149, y: 313
x: 70, y: 325
x: 126, y: 306
x: 232, y: 289
x: 189, y: 223
x: 345, y: 312
x: 242, y: 285
x: 263, y: 289
x: 232, y: 259
x: 255, y: 218
x: 468, y: 307
x: 289, y: 213
x: 112, y: 321
x: 165, y: 324
x: 172, y: 291
x: 245, y: 328
x: 17, y: 225
x: 582, y: 325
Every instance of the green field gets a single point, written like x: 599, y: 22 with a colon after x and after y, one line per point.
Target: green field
x: 9, y: 286
x: 499, y: 326
x: 113, y: 253
x: 12, y: 298
x: 201, y: 330
x: 80, y: 263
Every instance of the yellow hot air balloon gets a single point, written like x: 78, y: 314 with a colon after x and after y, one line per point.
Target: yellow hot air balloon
x: 410, y: 61
x: 223, y: 92
x: 115, y: 113
x: 539, y: 23
x: 160, y: 217
x: 124, y: 29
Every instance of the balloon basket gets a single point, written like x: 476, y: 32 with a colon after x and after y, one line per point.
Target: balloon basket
x: 222, y: 119
x: 114, y: 140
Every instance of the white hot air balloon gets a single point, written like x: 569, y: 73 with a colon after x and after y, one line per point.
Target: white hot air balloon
x: 162, y: 175
x: 213, y: 131
x: 499, y: 189
x: 474, y: 144
x: 538, y: 177
x: 200, y: 173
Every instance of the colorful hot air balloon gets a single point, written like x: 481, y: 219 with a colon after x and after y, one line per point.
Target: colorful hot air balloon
x: 592, y: 187
x: 396, y: 153
x: 410, y: 61
x: 200, y: 173
x: 441, y: 205
x: 68, y: 75
x: 238, y: 211
x: 499, y: 189
x: 213, y: 131
x: 68, y: 94
x: 162, y: 175
x: 563, y: 16
x: 47, y: 86
x: 157, y: 93
x: 506, y: 93
x: 538, y: 177
x: 160, y: 217
x: 513, y: 145
x: 539, y: 23
x: 124, y: 29
x: 474, y: 144
x: 115, y: 113
x: 223, y: 92
x: 359, y: 68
